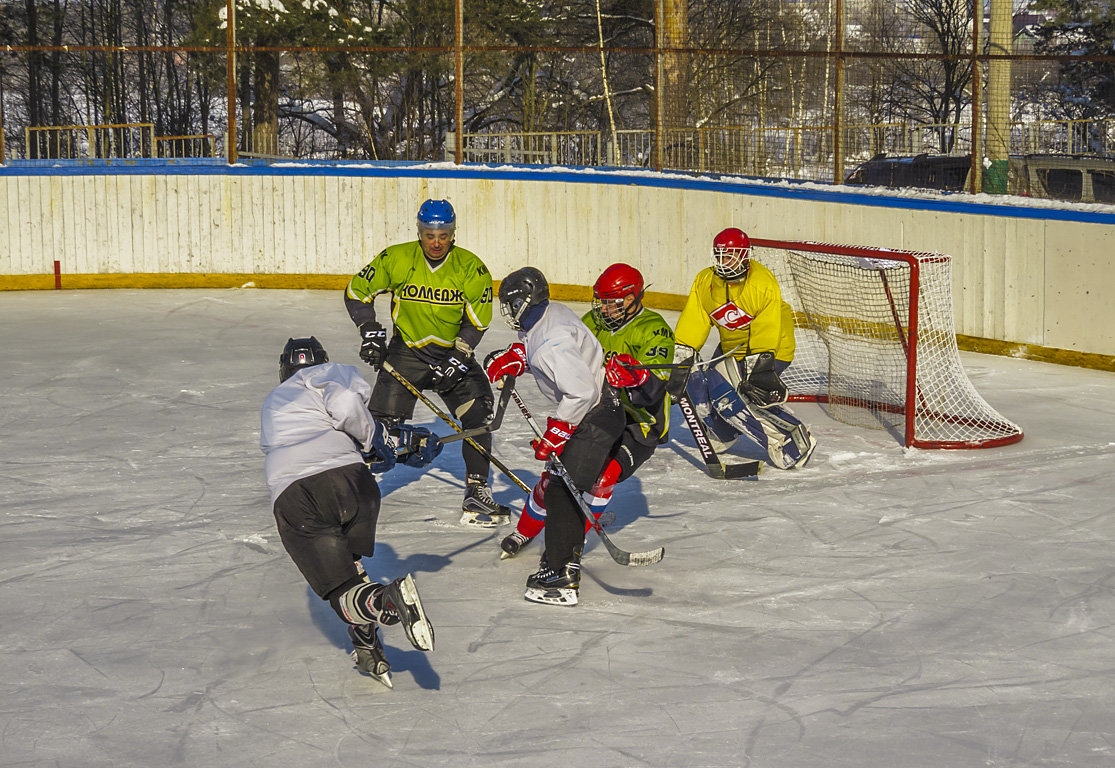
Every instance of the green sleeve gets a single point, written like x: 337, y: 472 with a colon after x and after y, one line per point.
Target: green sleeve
x: 478, y: 297
x: 372, y: 280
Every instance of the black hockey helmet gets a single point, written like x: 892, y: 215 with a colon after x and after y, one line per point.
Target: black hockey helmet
x: 298, y: 354
x: 518, y: 292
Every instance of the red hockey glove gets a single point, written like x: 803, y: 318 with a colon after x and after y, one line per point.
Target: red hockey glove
x: 618, y: 372
x: 553, y: 442
x: 510, y: 362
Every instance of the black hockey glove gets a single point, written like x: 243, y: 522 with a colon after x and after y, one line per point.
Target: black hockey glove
x: 762, y: 385
x: 373, y: 344
x: 381, y: 454
x: 449, y: 371
x: 684, y: 357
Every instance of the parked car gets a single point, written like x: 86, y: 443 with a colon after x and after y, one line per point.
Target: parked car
x: 1059, y: 177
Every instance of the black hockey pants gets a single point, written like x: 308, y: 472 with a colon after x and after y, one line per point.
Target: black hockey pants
x: 584, y: 457
x: 327, y: 520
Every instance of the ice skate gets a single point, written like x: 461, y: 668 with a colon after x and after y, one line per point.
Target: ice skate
x: 368, y: 653
x: 554, y: 586
x: 479, y: 509
x: 399, y: 603
x: 513, y: 543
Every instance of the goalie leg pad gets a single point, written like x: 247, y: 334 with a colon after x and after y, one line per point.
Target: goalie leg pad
x: 731, y: 407
x: 800, y: 447
x: 720, y: 433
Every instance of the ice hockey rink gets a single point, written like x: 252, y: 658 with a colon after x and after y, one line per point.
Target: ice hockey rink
x: 881, y: 608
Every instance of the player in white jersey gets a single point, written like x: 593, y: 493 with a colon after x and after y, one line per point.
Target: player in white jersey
x: 315, y: 431
x: 567, y: 363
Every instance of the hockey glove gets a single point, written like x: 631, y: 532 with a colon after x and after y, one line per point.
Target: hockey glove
x: 449, y: 372
x: 510, y: 362
x: 763, y: 385
x: 381, y: 454
x: 684, y: 357
x: 553, y: 441
x: 418, y: 447
x: 619, y: 373
x: 373, y: 344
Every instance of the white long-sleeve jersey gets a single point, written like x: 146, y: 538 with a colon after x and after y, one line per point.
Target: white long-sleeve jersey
x: 316, y: 420
x: 567, y: 362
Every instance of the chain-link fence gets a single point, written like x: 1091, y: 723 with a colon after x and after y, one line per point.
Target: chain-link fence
x: 802, y: 89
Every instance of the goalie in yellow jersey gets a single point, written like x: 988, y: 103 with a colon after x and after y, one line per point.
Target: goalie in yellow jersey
x: 441, y: 305
x: 743, y: 393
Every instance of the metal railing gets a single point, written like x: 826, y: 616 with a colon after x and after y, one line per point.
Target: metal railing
x: 62, y: 142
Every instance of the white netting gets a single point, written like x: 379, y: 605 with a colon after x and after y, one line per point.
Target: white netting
x: 855, y: 344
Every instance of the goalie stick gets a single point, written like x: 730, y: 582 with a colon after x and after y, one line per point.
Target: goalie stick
x: 621, y: 556
x: 456, y: 427
x: 716, y: 467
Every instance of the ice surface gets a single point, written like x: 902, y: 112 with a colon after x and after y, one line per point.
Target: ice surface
x: 881, y: 608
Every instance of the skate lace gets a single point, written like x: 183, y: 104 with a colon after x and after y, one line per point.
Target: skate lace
x: 484, y: 493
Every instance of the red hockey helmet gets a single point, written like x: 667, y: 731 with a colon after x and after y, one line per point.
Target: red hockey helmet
x: 610, y: 292
x: 731, y: 254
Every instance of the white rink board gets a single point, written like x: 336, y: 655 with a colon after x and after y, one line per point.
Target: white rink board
x: 1025, y: 275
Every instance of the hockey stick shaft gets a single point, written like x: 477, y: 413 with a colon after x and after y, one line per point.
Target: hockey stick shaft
x: 493, y: 425
x: 621, y: 556
x: 676, y: 366
x: 457, y: 428
x: 716, y: 467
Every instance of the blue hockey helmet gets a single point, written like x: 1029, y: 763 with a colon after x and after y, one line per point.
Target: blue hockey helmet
x: 436, y: 214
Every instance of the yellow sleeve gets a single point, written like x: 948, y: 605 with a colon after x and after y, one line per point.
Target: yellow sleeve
x: 694, y: 323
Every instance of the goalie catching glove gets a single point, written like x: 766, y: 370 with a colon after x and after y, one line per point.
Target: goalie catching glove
x: 510, y: 362
x: 620, y: 373
x: 762, y: 385
x: 553, y: 441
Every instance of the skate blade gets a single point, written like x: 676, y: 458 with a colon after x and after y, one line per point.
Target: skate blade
x: 369, y: 669
x: 504, y: 555
x: 419, y: 631
x: 560, y: 596
x: 483, y: 520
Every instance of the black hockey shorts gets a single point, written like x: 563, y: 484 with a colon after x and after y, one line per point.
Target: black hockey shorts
x: 392, y: 401
x: 327, y: 520
x: 631, y: 452
x: 583, y: 457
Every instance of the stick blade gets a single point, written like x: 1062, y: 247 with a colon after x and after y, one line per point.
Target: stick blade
x: 743, y: 469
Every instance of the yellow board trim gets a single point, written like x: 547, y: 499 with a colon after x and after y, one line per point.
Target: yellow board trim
x: 559, y: 291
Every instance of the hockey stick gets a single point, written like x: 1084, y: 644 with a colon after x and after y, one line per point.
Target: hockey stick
x: 676, y: 366
x: 445, y: 417
x: 621, y: 556
x: 493, y: 425
x: 716, y: 467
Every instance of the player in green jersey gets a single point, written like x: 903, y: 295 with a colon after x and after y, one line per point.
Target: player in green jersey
x: 441, y: 305
x: 631, y: 335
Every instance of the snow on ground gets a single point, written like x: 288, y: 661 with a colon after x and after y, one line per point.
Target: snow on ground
x: 882, y: 607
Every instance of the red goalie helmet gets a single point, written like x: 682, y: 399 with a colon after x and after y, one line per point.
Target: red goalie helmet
x: 610, y: 292
x: 731, y: 254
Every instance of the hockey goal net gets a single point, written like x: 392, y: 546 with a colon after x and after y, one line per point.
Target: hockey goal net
x: 876, y: 343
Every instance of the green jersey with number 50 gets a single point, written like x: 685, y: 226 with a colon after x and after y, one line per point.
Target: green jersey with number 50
x: 429, y: 303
